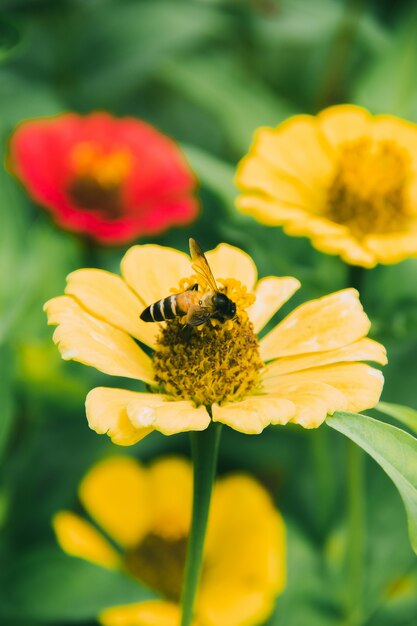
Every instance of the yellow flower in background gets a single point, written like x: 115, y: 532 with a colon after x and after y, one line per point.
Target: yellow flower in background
x: 244, y: 558
x: 303, y: 369
x: 344, y: 178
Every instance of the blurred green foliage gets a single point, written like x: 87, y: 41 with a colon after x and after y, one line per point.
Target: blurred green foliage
x: 207, y: 72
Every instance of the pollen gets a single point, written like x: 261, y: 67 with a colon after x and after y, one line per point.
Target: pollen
x: 368, y: 192
x: 215, y: 363
x: 108, y: 170
x: 98, y: 178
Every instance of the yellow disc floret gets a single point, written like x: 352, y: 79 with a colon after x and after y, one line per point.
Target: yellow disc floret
x: 98, y: 178
x: 368, y: 190
x: 107, y: 169
x: 159, y: 563
x: 214, y: 363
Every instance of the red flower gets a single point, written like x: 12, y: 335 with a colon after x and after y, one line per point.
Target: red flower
x: 111, y: 179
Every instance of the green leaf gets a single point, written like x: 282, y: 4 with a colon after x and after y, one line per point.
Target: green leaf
x: 296, y: 23
x: 9, y: 38
x: 13, y: 227
x: 128, y: 44
x: 34, y: 278
x: 6, y: 397
x: 23, y: 98
x: 404, y: 414
x: 213, y: 173
x: 389, y: 85
x: 238, y: 101
x: 49, y: 586
x: 394, y: 450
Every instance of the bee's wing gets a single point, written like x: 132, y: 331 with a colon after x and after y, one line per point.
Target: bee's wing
x: 199, y: 316
x: 201, y: 267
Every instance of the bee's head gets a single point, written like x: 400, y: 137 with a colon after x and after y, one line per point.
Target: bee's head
x: 225, y: 307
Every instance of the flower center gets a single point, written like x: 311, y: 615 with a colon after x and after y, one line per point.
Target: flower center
x: 368, y: 191
x: 159, y: 563
x: 98, y: 178
x: 215, y: 363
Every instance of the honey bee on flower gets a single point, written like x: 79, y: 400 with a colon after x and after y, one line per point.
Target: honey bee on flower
x: 195, y: 307
x: 305, y: 368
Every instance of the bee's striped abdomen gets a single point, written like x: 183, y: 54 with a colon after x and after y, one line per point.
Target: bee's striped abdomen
x: 164, y: 309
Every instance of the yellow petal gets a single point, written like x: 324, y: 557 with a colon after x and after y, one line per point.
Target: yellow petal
x: 256, y: 174
x: 316, y: 326
x: 106, y: 414
x: 79, y: 538
x: 168, y: 417
x: 313, y: 401
x: 116, y: 494
x: 362, y: 350
x: 315, y: 227
x: 401, y: 133
x: 229, y: 262
x: 271, y: 293
x: 245, y: 536
x: 152, y: 271
x: 297, y: 221
x: 84, y: 338
x: 128, y: 416
x: 269, y: 211
x: 359, y: 383
x: 171, y: 484
x: 107, y: 297
x: 149, y: 613
x: 393, y: 247
x: 349, y: 248
x: 254, y: 413
x: 225, y: 603
x: 344, y: 123
x: 281, y: 147
x: 281, y: 182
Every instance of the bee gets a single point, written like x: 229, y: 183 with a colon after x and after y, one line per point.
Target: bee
x: 197, y: 307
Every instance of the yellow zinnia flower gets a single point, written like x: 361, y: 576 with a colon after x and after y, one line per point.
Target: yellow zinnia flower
x: 302, y: 370
x: 344, y: 178
x: 244, y: 557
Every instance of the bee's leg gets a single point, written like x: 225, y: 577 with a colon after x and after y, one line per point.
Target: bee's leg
x: 190, y: 314
x: 186, y: 332
x: 193, y: 287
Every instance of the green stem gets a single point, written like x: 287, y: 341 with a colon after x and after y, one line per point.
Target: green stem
x: 356, y: 504
x: 204, y: 447
x: 356, y: 533
x: 89, y: 252
x: 356, y: 276
x: 322, y: 463
x: 331, y: 89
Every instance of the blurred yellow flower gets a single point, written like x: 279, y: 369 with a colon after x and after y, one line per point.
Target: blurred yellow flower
x: 244, y: 558
x: 303, y: 369
x: 344, y: 178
